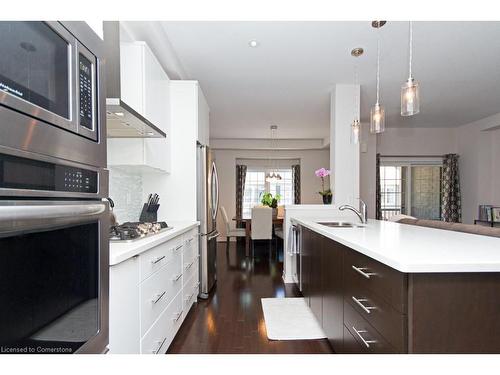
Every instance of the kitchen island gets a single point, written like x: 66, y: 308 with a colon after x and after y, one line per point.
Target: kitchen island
x: 385, y: 287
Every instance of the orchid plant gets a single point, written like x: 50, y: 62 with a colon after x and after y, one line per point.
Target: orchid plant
x: 322, y: 173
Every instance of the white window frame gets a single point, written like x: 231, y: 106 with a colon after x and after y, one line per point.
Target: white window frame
x: 267, y: 185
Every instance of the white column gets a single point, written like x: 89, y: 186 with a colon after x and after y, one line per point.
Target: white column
x: 344, y: 156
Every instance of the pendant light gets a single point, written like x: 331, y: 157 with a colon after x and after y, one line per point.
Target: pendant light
x: 410, y: 97
x: 355, y: 125
x: 377, y: 113
x: 273, y: 176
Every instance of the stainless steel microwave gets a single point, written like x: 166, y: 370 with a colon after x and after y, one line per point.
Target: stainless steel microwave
x: 51, y: 90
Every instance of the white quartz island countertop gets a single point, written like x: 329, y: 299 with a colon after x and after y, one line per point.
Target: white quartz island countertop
x: 121, y: 251
x: 414, y: 249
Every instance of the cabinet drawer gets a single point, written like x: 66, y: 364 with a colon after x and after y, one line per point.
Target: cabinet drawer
x: 190, y: 269
x: 369, y: 340
x: 190, y: 293
x: 154, y: 259
x: 190, y: 249
x: 160, y: 336
x: 362, y: 273
x: 158, y: 291
x: 389, y: 322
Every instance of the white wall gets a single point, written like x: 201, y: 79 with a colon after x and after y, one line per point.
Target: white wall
x: 310, y: 160
x: 479, y: 162
x: 417, y: 141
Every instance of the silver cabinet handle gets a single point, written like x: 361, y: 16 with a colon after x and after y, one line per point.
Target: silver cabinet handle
x: 176, y: 278
x: 366, y: 342
x: 177, y: 248
x: 359, y: 302
x: 190, y: 296
x: 160, y: 343
x: 159, y: 296
x: 177, y: 316
x: 361, y: 271
x: 190, y: 240
x: 188, y: 265
x: 156, y: 260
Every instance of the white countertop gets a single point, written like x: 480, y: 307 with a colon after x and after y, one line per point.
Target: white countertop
x: 119, y: 252
x: 409, y: 248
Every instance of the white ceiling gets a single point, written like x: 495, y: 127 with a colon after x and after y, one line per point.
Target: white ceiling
x: 287, y: 80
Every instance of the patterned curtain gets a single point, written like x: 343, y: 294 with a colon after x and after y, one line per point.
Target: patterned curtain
x: 241, y: 173
x: 451, y: 204
x: 296, y: 183
x: 378, y: 195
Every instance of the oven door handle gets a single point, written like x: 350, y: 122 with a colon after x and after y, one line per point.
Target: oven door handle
x: 42, y: 212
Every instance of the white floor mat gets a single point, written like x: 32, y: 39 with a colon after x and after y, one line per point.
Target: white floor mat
x: 290, y: 319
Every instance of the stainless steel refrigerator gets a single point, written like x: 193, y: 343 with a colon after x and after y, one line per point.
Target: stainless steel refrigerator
x: 208, y: 206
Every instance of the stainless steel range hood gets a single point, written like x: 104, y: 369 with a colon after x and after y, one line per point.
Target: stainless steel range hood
x: 122, y: 120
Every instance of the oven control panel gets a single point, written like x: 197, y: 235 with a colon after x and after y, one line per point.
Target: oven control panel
x: 27, y: 174
x: 76, y: 180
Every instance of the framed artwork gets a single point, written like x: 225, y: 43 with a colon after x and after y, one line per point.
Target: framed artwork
x: 495, y: 214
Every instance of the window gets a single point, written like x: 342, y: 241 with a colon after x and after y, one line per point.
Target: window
x: 411, y: 187
x: 392, y: 181
x: 256, y: 185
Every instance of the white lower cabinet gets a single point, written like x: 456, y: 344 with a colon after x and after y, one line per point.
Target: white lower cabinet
x: 151, y: 294
x: 162, y: 332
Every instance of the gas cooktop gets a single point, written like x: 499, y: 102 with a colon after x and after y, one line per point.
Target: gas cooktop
x: 133, y: 231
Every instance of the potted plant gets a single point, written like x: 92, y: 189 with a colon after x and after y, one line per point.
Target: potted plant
x: 325, y: 193
x: 270, y: 201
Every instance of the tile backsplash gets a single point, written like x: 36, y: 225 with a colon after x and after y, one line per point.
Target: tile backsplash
x: 125, y: 188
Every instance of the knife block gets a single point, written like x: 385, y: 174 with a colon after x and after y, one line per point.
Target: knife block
x: 149, y: 213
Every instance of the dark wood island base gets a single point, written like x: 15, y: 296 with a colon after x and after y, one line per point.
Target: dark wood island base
x: 365, y: 306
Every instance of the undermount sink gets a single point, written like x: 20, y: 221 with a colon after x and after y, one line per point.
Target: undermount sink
x: 338, y: 224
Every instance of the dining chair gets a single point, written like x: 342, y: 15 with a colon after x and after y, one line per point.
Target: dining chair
x: 231, y: 232
x: 262, y: 225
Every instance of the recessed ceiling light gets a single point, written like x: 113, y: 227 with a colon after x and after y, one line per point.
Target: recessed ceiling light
x: 120, y: 114
x: 253, y: 43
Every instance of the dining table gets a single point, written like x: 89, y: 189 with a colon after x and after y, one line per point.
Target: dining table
x: 247, y: 221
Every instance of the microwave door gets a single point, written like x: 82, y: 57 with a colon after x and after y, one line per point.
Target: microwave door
x: 38, y: 74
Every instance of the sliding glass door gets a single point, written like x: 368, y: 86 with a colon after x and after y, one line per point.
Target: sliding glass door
x: 411, y: 187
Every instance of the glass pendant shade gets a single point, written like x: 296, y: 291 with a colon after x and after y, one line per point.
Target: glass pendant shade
x: 377, y: 119
x: 355, y: 130
x: 410, y: 98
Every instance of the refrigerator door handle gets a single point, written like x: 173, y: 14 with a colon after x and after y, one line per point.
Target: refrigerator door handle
x: 212, y: 236
x: 216, y: 176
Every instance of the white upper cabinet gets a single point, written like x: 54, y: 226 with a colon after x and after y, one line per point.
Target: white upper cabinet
x: 144, y: 87
x: 144, y: 83
x: 203, y: 119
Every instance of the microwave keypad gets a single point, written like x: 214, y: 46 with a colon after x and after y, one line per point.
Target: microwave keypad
x: 86, y: 104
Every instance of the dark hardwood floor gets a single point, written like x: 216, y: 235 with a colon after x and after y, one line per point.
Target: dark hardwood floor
x: 231, y: 320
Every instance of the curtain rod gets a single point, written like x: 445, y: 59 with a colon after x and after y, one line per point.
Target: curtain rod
x: 411, y: 156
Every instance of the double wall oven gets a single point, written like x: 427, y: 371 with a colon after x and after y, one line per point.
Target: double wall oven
x: 54, y: 220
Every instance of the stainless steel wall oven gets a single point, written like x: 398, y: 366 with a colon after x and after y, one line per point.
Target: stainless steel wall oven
x: 54, y: 251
